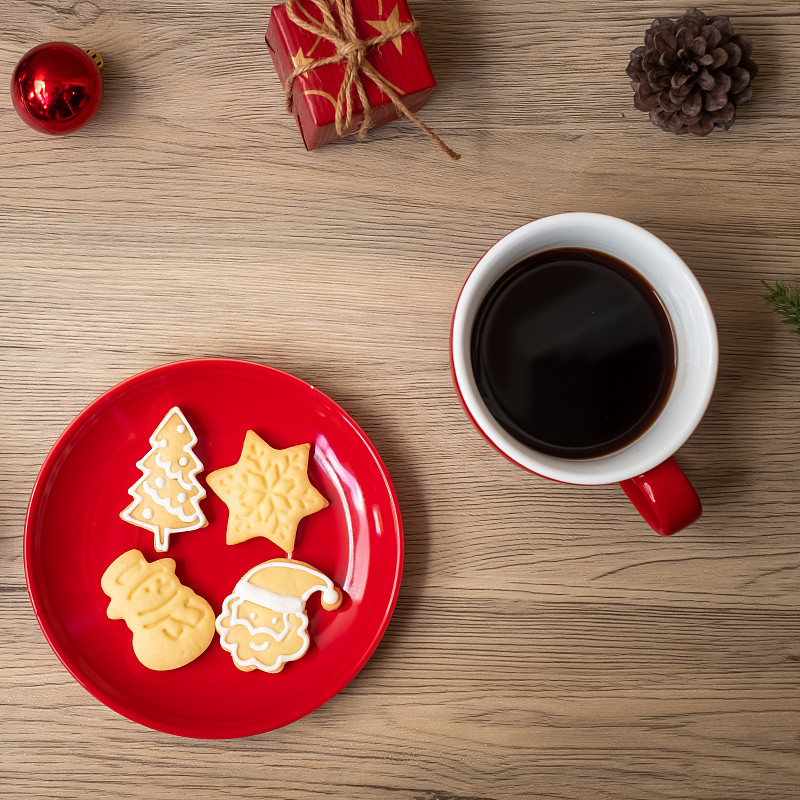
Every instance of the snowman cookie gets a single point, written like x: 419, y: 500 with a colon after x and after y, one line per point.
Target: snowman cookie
x: 171, y: 625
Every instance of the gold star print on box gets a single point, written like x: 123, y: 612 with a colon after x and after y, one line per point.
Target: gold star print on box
x: 389, y: 25
x: 267, y: 492
x: 300, y: 59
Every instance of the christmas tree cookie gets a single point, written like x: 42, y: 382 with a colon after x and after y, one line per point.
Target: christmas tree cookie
x: 267, y: 492
x: 167, y: 497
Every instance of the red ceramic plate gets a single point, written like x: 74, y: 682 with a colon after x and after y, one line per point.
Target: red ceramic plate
x: 73, y: 532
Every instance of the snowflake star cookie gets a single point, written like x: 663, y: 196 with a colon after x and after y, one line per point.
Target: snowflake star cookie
x: 267, y: 492
x: 263, y: 623
x: 167, y: 497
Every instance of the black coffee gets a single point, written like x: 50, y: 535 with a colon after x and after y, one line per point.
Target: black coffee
x: 573, y: 353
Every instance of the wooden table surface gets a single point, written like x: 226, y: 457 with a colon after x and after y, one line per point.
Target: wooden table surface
x: 617, y: 664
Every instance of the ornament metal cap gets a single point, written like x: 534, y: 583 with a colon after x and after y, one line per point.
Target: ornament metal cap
x: 95, y: 56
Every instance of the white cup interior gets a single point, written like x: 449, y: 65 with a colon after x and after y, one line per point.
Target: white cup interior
x: 689, y: 313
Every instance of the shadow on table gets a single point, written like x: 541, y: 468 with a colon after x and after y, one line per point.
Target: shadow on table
x: 746, y: 337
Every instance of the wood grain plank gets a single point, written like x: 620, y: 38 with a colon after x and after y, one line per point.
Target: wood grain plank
x: 545, y: 643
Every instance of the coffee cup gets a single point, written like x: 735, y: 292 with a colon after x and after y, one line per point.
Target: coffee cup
x: 584, y: 349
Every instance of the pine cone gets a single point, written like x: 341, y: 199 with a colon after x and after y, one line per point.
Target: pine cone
x: 691, y: 74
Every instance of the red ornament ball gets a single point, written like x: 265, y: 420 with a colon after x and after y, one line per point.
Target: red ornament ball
x: 56, y: 87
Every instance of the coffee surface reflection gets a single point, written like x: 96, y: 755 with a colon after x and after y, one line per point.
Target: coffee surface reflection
x: 573, y: 353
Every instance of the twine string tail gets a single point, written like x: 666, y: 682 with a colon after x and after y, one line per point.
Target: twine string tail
x: 353, y: 51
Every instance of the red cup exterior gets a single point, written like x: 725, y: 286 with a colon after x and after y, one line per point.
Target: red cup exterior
x: 664, y: 497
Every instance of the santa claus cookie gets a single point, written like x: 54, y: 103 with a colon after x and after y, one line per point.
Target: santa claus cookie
x: 263, y: 623
x: 167, y: 497
x: 267, y: 492
x: 171, y: 625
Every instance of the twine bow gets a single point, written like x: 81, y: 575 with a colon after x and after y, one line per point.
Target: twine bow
x: 351, y: 49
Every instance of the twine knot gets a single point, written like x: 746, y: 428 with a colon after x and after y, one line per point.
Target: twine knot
x: 352, y: 50
x: 356, y: 49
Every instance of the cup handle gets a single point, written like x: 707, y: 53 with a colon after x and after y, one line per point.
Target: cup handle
x: 664, y: 497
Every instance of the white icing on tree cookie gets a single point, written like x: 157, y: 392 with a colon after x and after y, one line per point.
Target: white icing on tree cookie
x: 167, y: 497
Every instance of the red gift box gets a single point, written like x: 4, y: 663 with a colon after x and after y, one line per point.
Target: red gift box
x: 400, y: 62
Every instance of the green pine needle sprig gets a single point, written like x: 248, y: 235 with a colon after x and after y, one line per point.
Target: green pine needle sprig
x: 785, y: 300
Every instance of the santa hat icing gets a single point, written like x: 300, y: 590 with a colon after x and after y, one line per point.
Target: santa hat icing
x: 263, y: 623
x: 297, y: 582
